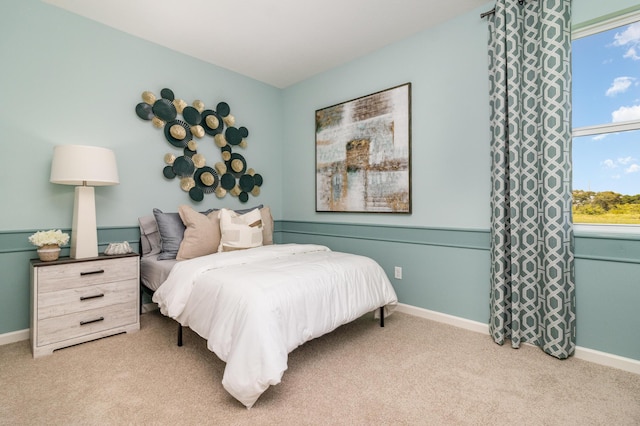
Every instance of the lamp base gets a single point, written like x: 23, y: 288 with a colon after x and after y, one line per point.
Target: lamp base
x: 84, y: 232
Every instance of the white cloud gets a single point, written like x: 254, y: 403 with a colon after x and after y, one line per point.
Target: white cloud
x: 629, y: 36
x: 634, y: 168
x: 599, y: 137
x: 615, y: 177
x: 631, y: 54
x: 619, y: 85
x: 626, y: 114
x: 621, y: 162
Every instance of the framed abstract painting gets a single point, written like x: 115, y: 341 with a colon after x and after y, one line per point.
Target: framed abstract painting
x: 363, y: 154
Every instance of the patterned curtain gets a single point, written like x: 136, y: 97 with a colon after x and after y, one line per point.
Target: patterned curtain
x: 532, y: 260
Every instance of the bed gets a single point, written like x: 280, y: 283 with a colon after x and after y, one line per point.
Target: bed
x: 255, y: 305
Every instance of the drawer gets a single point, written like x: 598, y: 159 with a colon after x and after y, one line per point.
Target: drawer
x: 58, y: 329
x: 80, y: 299
x: 80, y: 274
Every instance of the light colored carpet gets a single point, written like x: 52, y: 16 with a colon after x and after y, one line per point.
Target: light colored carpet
x: 412, y: 371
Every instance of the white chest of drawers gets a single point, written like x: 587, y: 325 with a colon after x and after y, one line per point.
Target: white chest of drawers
x: 77, y: 300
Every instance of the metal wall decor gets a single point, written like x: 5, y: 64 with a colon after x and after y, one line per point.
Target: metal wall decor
x: 363, y: 154
x: 181, y: 123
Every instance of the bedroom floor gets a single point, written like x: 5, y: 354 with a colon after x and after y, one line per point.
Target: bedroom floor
x: 412, y: 371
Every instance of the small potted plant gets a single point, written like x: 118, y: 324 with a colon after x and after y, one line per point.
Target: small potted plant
x: 48, y: 243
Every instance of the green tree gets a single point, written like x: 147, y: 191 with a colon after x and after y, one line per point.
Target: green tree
x: 581, y: 198
x: 630, y: 199
x: 607, y: 199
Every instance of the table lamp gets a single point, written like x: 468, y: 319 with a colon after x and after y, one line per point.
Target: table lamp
x: 85, y: 167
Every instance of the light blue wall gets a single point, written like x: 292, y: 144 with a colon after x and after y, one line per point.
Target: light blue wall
x: 71, y: 80
x: 447, y: 66
x: 447, y: 69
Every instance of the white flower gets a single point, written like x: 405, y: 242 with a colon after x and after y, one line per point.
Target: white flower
x: 43, y: 238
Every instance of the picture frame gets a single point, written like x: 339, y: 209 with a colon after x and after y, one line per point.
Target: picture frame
x: 363, y: 154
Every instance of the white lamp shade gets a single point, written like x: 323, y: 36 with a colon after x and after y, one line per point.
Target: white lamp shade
x: 83, y: 165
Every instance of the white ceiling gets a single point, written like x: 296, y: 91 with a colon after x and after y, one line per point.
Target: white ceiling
x: 279, y: 42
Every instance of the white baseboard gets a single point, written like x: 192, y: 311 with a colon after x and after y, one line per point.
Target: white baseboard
x: 445, y: 318
x: 603, y: 358
x: 14, y: 336
x: 610, y: 360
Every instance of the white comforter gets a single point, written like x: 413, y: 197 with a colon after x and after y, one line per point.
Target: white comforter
x: 255, y: 306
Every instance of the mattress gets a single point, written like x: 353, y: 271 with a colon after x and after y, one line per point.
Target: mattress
x: 154, y: 272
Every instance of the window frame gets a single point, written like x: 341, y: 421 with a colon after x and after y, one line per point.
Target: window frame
x: 603, y: 25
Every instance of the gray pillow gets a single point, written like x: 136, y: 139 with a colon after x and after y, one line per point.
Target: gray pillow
x: 171, y: 231
x: 149, y: 235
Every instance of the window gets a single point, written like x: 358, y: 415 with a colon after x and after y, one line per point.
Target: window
x: 606, y: 122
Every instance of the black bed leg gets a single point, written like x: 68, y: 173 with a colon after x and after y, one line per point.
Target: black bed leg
x: 179, y: 334
x: 381, y: 316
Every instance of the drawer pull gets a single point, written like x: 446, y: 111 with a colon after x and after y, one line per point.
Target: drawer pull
x: 92, y: 321
x: 99, y: 271
x: 95, y: 296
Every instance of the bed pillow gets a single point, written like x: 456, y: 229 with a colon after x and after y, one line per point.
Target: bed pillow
x: 201, y: 234
x: 240, y: 232
x: 267, y: 226
x: 171, y: 231
x: 267, y: 222
x: 149, y: 235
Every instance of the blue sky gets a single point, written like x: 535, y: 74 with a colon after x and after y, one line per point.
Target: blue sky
x: 606, y: 89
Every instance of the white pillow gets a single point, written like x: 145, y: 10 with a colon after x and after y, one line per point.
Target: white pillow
x: 240, y: 231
